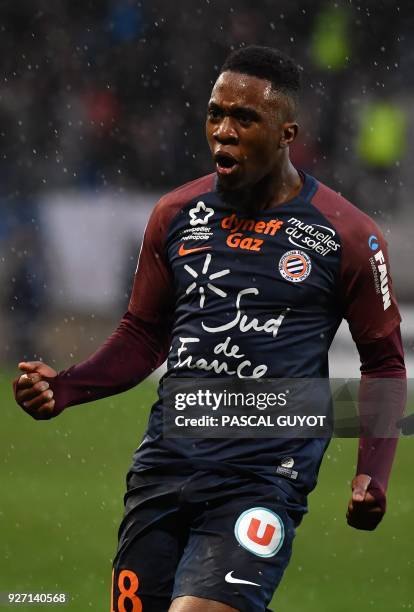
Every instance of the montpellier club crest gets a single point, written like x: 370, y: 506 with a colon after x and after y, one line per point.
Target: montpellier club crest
x: 260, y: 531
x: 295, y: 266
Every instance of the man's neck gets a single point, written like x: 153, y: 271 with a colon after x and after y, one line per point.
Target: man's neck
x: 281, y: 187
x: 272, y: 191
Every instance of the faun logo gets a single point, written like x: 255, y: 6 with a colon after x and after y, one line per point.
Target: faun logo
x: 238, y: 239
x: 379, y: 269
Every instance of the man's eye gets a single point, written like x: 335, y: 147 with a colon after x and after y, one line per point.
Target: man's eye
x: 244, y: 120
x: 213, y: 113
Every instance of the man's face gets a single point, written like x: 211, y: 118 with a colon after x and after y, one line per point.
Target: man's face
x: 245, y: 129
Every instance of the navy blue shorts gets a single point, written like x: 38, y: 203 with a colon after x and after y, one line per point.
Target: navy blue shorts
x: 217, y: 536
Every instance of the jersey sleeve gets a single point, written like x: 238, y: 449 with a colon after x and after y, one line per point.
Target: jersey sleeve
x: 383, y: 395
x: 132, y: 352
x: 369, y: 303
x: 152, y: 297
x: 141, y: 341
x: 364, y: 281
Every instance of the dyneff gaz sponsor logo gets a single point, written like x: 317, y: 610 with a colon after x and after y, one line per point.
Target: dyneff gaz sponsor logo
x: 243, y: 232
x: 380, y: 272
x: 312, y: 236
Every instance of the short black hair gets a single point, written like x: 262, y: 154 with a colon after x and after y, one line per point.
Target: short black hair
x: 270, y: 64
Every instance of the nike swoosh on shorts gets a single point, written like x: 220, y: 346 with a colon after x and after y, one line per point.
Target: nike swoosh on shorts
x: 229, y: 578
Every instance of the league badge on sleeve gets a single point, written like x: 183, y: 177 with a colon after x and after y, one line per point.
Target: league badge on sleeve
x: 295, y: 266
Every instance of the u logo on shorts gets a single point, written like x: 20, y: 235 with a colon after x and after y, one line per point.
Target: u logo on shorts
x: 260, y: 531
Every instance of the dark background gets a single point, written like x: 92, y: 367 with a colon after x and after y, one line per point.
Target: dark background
x: 114, y: 92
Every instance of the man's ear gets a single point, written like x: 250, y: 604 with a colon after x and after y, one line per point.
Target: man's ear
x: 289, y: 133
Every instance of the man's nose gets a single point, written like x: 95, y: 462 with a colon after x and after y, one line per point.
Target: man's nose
x: 225, y: 132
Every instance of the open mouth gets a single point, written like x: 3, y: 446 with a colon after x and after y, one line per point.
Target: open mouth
x: 225, y: 163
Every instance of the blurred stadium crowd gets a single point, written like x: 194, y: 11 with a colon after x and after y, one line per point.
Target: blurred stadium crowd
x: 114, y: 91
x: 110, y: 95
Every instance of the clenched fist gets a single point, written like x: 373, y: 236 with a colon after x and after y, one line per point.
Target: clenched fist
x: 32, y: 390
x: 366, y: 507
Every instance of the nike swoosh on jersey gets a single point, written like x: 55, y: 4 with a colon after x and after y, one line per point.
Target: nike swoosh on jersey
x: 183, y: 251
x: 229, y: 578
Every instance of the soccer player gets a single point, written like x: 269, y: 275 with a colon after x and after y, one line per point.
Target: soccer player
x: 246, y: 272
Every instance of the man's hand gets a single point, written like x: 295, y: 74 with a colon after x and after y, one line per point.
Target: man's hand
x: 32, y: 391
x: 367, y: 504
